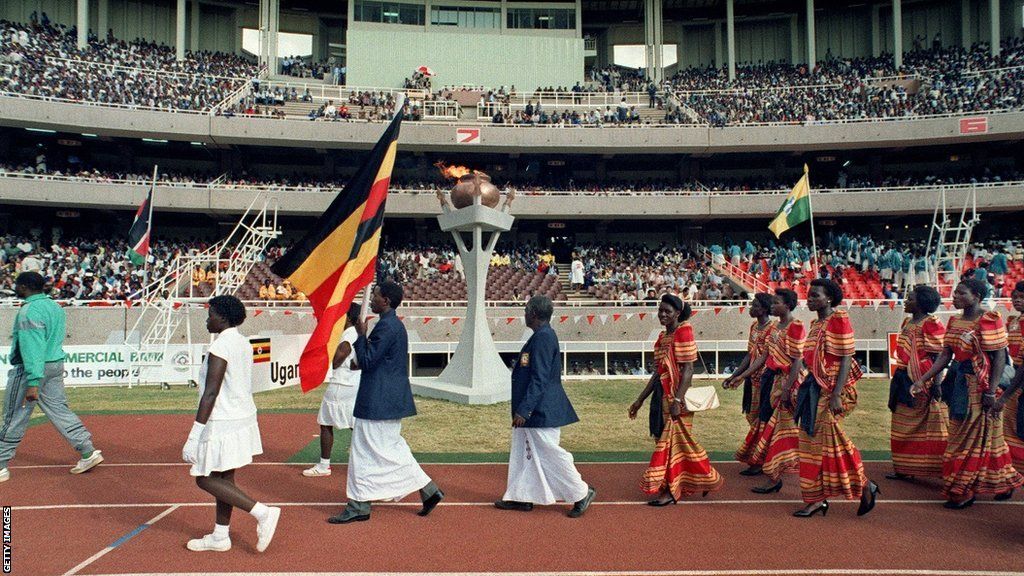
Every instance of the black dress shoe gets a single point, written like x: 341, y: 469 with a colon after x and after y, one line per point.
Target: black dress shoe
x: 659, y: 503
x: 1004, y: 496
x: 767, y: 489
x: 513, y: 505
x: 580, y: 507
x: 898, y: 476
x: 430, y: 503
x: 342, y: 519
x: 869, y: 505
x: 954, y: 505
x: 807, y: 513
x: 752, y: 471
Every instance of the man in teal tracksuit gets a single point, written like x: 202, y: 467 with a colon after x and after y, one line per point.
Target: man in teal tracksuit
x: 37, y: 377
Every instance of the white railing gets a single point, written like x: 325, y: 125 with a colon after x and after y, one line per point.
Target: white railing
x: 104, y: 104
x: 302, y: 306
x: 815, y: 122
x: 701, y: 191
x: 148, y: 71
x: 643, y: 350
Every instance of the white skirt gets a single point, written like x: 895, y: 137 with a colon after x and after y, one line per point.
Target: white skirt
x: 380, y: 464
x: 540, y: 471
x: 337, y: 405
x: 227, y: 445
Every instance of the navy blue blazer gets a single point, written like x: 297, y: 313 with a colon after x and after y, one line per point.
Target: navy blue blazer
x: 537, y: 392
x: 384, y: 389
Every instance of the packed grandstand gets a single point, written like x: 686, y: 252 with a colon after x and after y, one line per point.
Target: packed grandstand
x: 45, y: 57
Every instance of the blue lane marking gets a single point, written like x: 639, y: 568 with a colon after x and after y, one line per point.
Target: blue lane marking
x: 128, y: 536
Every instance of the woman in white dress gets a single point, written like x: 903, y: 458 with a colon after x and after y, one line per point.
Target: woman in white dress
x: 340, y: 397
x: 225, y: 435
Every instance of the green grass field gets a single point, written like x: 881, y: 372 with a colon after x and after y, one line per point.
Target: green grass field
x: 446, y: 430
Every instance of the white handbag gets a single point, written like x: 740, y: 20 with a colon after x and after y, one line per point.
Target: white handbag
x: 700, y: 398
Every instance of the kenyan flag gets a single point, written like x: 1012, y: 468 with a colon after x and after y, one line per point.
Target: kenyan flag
x: 138, y: 236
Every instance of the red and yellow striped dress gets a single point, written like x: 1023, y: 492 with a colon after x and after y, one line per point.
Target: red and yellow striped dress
x: 679, y: 464
x: 778, y: 448
x: 1015, y: 329
x: 919, y: 434
x: 757, y: 347
x: 977, y: 460
x: 830, y: 465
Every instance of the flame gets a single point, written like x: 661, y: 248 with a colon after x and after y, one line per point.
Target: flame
x: 455, y: 172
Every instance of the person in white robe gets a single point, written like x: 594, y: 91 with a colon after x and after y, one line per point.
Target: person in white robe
x: 540, y: 471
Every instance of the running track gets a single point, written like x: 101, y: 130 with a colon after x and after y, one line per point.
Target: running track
x: 134, y: 514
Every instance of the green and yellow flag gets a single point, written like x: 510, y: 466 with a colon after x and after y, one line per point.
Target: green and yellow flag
x: 796, y: 208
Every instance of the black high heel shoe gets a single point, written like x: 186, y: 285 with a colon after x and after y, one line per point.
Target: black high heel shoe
x: 954, y: 505
x: 868, y: 506
x: 659, y: 503
x: 1004, y: 496
x: 767, y: 489
x: 807, y: 513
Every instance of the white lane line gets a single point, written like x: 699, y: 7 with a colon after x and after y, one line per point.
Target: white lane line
x: 120, y: 541
x: 783, y: 572
x: 423, y: 462
x: 489, y: 504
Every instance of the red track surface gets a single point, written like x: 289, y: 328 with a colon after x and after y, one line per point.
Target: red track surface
x: 731, y: 530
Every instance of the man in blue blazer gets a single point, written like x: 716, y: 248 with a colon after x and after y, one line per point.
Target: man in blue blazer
x: 539, y: 470
x: 381, y: 465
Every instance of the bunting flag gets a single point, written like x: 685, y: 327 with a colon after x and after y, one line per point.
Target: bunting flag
x: 796, y: 208
x: 338, y: 256
x: 138, y: 234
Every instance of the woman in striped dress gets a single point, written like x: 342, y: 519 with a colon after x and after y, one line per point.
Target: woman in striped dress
x: 977, y: 460
x: 830, y: 465
x: 779, y: 444
x: 679, y: 466
x: 1013, y: 417
x: 919, y: 421
x: 749, y: 373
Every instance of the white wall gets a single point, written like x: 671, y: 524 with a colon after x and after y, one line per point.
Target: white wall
x: 386, y: 55
x: 845, y: 33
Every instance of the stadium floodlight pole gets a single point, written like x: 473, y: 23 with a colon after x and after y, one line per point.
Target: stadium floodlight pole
x: 810, y: 210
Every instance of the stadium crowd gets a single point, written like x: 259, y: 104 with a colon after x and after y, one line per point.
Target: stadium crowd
x: 73, y: 166
x: 96, y: 268
x: 42, y: 59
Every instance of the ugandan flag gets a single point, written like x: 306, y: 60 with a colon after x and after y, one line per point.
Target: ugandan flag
x: 338, y: 256
x: 796, y: 208
x: 138, y: 234
x: 260, y: 350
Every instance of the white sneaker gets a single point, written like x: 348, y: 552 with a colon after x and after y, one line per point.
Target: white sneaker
x: 209, y: 544
x: 265, y: 530
x: 5, y: 474
x: 316, y: 472
x: 86, y: 464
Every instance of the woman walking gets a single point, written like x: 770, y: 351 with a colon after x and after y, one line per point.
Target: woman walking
x: 977, y: 459
x: 920, y: 424
x: 749, y: 373
x: 339, y: 399
x: 779, y: 444
x: 830, y: 465
x: 225, y: 435
x: 1013, y: 417
x: 679, y: 466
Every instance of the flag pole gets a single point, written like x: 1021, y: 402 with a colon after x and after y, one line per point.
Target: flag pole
x: 149, y: 220
x: 364, y: 310
x: 810, y: 209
